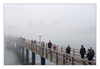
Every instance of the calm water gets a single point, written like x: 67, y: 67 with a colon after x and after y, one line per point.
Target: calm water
x: 11, y: 58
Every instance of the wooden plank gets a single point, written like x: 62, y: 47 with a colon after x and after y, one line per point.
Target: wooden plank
x: 68, y: 63
x: 73, y: 52
x: 72, y: 60
x: 60, y: 63
x: 64, y: 59
x: 57, y: 58
x: 61, y: 49
x: 51, y: 56
x: 54, y: 60
x: 46, y: 53
x: 57, y: 48
x: 54, y: 57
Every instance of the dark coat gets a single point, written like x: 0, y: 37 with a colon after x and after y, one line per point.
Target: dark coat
x: 82, y: 51
x: 68, y: 50
x: 49, y: 45
x: 32, y: 41
x: 92, y: 53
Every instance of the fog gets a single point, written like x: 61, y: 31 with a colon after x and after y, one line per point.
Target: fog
x: 63, y: 24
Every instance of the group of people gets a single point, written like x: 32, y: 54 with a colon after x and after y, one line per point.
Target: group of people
x: 33, y: 41
x: 89, y: 54
x: 43, y: 44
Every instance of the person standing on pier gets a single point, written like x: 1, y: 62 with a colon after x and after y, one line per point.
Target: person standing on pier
x: 68, y: 49
x: 49, y: 45
x: 91, y: 53
x: 54, y: 47
x: 31, y: 43
x: 39, y: 44
x: 82, y: 51
x: 34, y: 41
x: 88, y: 55
x: 42, y: 46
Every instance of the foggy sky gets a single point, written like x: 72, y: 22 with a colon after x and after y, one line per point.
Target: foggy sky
x: 71, y: 23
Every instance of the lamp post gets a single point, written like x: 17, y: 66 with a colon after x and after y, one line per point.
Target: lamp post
x: 42, y: 58
x: 40, y: 35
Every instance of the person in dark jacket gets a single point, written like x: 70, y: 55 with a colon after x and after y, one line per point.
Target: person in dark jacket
x: 68, y: 49
x: 49, y: 45
x: 82, y: 51
x: 91, y: 53
x: 88, y: 55
x: 31, y: 41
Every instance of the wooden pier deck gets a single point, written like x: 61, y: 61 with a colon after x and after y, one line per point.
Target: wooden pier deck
x: 57, y: 56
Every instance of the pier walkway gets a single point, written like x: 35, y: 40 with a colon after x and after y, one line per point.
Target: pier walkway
x: 57, y: 56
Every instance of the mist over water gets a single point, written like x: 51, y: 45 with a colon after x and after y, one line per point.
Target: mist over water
x: 60, y: 35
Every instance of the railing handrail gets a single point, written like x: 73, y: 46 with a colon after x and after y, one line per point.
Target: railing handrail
x: 59, y: 47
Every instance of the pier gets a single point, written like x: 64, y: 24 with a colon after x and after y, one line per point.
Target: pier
x: 57, y: 56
